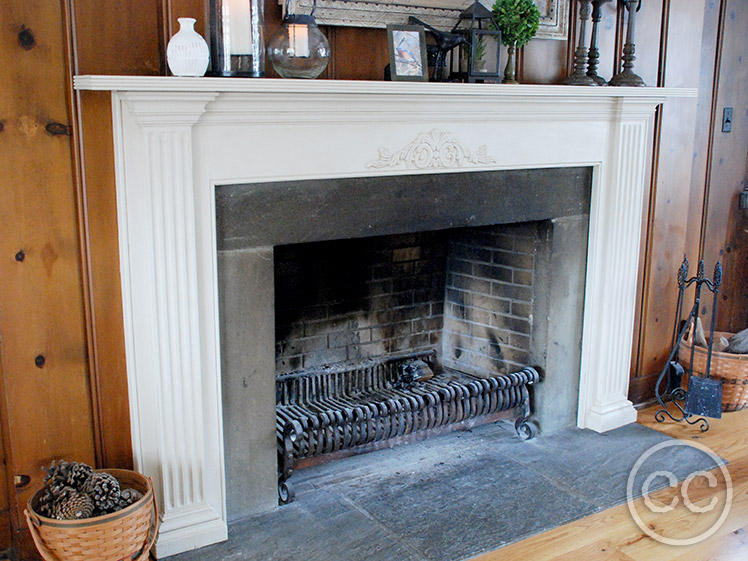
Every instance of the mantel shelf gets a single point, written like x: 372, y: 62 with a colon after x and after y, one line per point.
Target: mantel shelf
x: 278, y: 86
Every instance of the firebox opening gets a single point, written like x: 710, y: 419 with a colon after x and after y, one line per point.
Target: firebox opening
x: 465, y: 293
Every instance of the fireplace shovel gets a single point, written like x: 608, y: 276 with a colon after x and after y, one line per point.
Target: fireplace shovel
x: 704, y: 397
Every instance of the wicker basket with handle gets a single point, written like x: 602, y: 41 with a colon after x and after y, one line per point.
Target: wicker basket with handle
x: 728, y: 368
x: 127, y: 535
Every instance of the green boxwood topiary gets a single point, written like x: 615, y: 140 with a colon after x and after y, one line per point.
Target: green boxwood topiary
x: 517, y: 19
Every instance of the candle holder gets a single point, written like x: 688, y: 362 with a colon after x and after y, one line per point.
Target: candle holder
x: 593, y: 56
x: 627, y: 77
x: 237, y: 45
x: 579, y: 76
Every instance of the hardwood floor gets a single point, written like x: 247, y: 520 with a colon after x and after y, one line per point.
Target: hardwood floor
x: 613, y: 535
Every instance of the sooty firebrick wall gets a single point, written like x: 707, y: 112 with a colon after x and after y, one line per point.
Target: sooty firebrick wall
x: 355, y: 299
x: 465, y: 292
x: 488, y: 315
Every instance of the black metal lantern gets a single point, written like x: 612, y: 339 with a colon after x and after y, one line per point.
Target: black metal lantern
x: 237, y: 45
x: 481, y: 63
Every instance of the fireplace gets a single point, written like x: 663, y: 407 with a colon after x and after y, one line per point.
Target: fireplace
x: 481, y: 272
x: 178, y: 139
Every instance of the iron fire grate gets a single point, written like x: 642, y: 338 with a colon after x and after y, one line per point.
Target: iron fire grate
x: 334, y: 408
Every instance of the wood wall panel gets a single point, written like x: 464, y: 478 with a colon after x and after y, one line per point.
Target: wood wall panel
x: 702, y: 140
x: 667, y: 221
x: 48, y: 409
x: 175, y: 9
x: 358, y: 54
x: 107, y: 355
x: 114, y: 37
x: 134, y: 46
x: 5, y: 478
x: 650, y: 22
x: 725, y: 229
x: 541, y: 62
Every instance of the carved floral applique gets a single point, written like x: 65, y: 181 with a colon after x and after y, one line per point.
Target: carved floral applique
x: 433, y: 149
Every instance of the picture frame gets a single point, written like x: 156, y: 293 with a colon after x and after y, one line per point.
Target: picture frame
x: 442, y: 14
x: 407, y: 46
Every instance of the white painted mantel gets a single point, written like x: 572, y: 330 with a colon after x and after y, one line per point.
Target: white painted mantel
x: 177, y: 138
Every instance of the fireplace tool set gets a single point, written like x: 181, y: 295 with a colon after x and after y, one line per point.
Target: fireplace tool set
x: 703, y: 398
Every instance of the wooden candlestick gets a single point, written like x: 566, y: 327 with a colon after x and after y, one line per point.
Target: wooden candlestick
x: 594, y: 52
x: 627, y: 77
x: 579, y: 76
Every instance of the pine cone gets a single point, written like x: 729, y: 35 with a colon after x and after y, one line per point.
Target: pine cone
x: 78, y: 475
x: 73, y: 505
x: 56, y: 473
x: 103, y: 490
x: 70, y: 474
x: 128, y: 497
x: 45, y: 503
x: 55, y: 485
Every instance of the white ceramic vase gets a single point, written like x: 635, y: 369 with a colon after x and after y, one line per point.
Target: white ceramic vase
x: 187, y: 52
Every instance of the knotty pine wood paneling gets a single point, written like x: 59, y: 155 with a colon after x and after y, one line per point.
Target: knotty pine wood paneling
x: 718, y: 161
x: 110, y: 37
x: 47, y: 410
x: 541, y: 62
x: 107, y: 352
x: 175, y: 9
x: 702, y: 140
x: 357, y: 54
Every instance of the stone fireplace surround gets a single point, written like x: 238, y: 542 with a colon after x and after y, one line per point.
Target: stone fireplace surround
x: 176, y: 139
x: 478, y: 320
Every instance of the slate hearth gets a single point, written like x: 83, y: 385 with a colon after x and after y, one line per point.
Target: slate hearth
x: 421, y: 502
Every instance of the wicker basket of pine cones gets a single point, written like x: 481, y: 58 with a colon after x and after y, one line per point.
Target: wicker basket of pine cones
x: 82, y: 514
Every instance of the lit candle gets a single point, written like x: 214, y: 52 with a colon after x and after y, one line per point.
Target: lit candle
x: 239, y: 18
x: 298, y: 34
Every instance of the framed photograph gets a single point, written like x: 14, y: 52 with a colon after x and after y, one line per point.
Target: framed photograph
x: 408, y: 53
x: 485, y: 55
x: 442, y: 14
